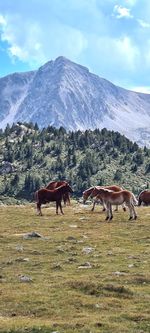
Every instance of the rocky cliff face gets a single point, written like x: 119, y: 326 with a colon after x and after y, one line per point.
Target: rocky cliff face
x: 63, y: 93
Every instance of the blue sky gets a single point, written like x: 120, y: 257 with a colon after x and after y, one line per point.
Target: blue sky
x: 111, y: 38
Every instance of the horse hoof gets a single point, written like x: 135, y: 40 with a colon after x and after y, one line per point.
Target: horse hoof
x: 130, y: 218
x: 107, y: 218
x: 124, y: 209
x: 135, y: 217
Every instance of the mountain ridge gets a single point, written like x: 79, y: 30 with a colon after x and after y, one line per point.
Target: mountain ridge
x: 63, y: 93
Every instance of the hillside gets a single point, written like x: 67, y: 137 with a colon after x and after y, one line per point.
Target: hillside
x: 30, y: 158
x: 63, y: 93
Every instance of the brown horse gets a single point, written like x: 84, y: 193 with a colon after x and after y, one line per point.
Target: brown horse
x: 94, y: 192
x: 144, y: 197
x: 44, y: 195
x: 55, y: 184
x: 118, y: 198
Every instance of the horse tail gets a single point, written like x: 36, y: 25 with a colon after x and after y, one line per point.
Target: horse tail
x: 37, y: 196
x: 139, y: 201
x: 134, y: 200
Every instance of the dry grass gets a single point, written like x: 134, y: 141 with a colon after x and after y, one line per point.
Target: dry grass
x: 106, y: 290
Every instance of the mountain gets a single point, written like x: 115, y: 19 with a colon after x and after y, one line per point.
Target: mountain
x: 63, y: 93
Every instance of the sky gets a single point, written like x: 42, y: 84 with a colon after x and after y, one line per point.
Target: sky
x: 111, y: 38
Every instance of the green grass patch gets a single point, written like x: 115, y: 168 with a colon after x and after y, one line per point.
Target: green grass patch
x: 105, y: 289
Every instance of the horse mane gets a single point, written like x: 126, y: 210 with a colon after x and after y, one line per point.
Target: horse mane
x: 89, y: 189
x: 61, y: 186
x: 106, y: 190
x: 147, y: 190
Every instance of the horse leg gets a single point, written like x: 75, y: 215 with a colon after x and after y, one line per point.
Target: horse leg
x: 39, y: 209
x: 64, y: 199
x: 130, y: 210
x: 68, y: 199
x: 57, y: 207
x: 116, y: 209
x: 60, y: 206
x: 104, y: 206
x: 110, y: 212
x: 107, y: 211
x: 124, y: 207
x: 94, y: 203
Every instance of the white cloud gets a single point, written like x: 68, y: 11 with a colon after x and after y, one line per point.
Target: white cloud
x: 131, y: 2
x: 128, y: 51
x: 147, y: 55
x: 121, y: 12
x: 143, y: 24
x: 83, y: 31
x: 16, y: 51
x: 2, y: 20
x: 38, y: 42
x: 119, y: 53
x: 145, y: 90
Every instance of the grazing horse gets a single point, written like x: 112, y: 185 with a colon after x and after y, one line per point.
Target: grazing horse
x: 44, y: 195
x: 144, y: 197
x: 118, y: 198
x: 55, y: 184
x: 94, y: 189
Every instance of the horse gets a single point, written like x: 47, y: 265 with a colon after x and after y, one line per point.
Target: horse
x: 54, y: 184
x: 144, y: 197
x: 88, y: 192
x: 118, y: 198
x: 44, y: 195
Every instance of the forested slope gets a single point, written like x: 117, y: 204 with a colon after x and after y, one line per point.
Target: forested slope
x: 30, y: 158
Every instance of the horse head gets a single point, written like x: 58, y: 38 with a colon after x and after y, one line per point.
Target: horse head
x: 94, y: 192
x: 68, y: 188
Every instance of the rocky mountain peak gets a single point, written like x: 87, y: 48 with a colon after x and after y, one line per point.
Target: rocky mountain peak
x: 63, y: 93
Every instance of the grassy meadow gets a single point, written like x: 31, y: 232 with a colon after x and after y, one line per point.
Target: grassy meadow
x: 85, y: 275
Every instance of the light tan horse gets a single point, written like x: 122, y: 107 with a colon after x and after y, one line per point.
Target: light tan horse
x: 118, y: 198
x: 94, y: 191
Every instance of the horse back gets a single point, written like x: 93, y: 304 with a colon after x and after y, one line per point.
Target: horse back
x: 114, y: 188
x: 45, y: 195
x: 55, y: 184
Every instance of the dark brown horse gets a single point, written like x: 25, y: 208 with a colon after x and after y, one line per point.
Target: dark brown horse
x: 144, y: 197
x: 44, y: 195
x: 55, y: 184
